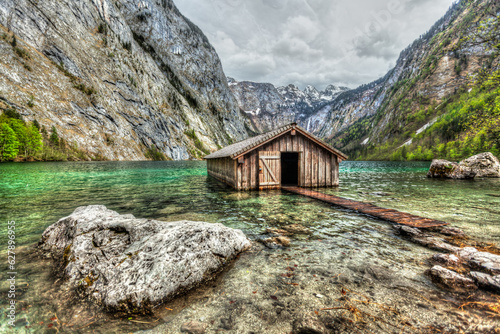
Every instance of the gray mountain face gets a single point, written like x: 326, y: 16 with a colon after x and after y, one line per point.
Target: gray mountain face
x: 269, y: 107
x: 116, y: 77
x: 427, y: 73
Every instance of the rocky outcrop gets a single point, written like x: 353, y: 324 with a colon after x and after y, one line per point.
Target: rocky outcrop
x: 129, y: 264
x: 452, y: 231
x: 480, y: 165
x: 116, y: 77
x: 483, y: 164
x: 466, y: 268
x: 447, y: 260
x: 486, y: 281
x: 425, y: 239
x: 450, y: 279
x: 478, y: 260
x: 451, y: 170
x: 428, y: 72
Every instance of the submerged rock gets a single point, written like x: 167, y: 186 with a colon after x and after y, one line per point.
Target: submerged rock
x: 481, y: 260
x: 446, y: 259
x: 486, y: 281
x: 446, y: 169
x: 483, y: 164
x: 130, y: 264
x: 276, y: 242
x: 450, y: 279
x: 452, y: 231
x: 425, y: 239
x: 297, y: 229
x: 308, y: 324
x: 193, y: 327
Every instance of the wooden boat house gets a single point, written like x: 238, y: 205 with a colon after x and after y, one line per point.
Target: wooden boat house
x: 288, y: 156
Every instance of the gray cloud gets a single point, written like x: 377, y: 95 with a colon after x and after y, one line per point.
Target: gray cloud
x: 317, y: 42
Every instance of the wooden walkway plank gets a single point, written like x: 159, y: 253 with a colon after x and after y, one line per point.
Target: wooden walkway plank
x: 391, y: 215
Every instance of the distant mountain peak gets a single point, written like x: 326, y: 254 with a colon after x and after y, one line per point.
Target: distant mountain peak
x: 269, y: 107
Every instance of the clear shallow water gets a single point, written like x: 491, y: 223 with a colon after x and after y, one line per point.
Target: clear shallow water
x: 343, y: 247
x: 473, y: 205
x: 36, y: 195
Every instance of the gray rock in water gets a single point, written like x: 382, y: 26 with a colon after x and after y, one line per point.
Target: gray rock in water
x: 481, y: 260
x: 453, y: 231
x: 446, y: 259
x: 129, y: 264
x: 308, y: 324
x: 486, y: 281
x: 408, y: 231
x: 425, y: 239
x: 483, y: 164
x: 451, y: 170
x: 193, y: 327
x: 480, y: 165
x: 450, y: 279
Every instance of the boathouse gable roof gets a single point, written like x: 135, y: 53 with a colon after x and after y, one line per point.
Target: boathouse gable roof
x: 235, y: 150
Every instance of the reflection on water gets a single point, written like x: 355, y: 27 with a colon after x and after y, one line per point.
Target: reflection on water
x: 340, y: 242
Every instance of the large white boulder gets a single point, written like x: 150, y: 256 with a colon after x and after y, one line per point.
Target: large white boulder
x: 130, y: 264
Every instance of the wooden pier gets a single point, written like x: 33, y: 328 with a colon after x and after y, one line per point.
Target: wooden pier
x: 390, y: 215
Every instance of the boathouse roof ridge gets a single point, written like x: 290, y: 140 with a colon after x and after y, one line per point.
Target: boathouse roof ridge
x: 239, y: 148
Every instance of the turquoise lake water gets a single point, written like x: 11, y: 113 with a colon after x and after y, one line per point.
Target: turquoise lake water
x: 36, y: 195
x: 341, y: 243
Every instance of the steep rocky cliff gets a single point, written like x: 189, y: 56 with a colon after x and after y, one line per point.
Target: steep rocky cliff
x: 116, y: 77
x: 269, y: 107
x: 438, y: 101
x: 430, y: 103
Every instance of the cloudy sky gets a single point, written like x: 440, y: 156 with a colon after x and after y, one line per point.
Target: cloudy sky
x: 317, y: 42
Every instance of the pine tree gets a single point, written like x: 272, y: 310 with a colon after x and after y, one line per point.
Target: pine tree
x: 54, y: 137
x: 35, y: 140
x: 8, y: 143
x: 21, y: 132
x: 404, y: 153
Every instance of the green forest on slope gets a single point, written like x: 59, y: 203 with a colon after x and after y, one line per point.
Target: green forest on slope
x: 22, y: 141
x: 463, y: 124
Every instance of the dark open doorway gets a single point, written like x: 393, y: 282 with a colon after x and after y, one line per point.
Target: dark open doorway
x: 289, y: 168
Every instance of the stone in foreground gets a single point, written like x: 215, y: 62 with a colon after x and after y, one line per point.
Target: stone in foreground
x: 450, y: 279
x: 486, y: 281
x: 193, y: 327
x: 484, y: 261
x: 130, y: 264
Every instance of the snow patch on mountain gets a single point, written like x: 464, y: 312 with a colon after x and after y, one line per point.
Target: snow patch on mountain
x: 269, y: 107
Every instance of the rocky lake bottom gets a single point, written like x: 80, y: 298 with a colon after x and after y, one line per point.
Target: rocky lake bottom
x: 342, y: 272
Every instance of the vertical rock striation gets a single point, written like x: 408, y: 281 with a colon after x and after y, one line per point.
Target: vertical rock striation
x: 116, y: 77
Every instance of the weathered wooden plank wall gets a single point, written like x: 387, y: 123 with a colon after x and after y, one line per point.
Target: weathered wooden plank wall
x: 224, y: 170
x: 317, y: 166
